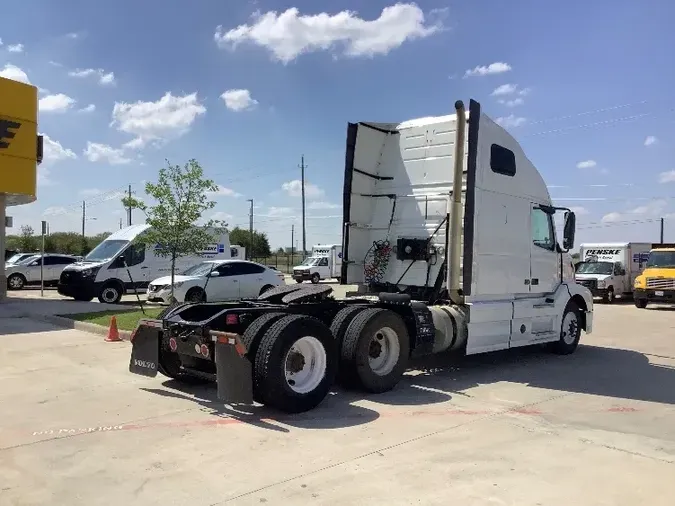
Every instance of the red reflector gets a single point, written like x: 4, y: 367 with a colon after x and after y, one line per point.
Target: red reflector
x: 231, y: 319
x: 173, y: 344
x: 204, y: 350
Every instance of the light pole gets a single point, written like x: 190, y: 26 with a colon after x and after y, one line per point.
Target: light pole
x: 250, y: 231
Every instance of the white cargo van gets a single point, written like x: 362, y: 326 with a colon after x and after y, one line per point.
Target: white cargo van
x: 609, y: 269
x: 325, y: 263
x: 119, y: 265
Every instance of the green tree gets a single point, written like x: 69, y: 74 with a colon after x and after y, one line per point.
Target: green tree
x: 27, y: 241
x: 181, y: 199
x: 260, y: 246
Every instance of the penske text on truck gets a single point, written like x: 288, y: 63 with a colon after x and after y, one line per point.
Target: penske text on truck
x: 450, y: 236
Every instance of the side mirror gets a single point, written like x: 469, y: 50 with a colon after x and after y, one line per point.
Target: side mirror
x: 214, y: 274
x: 569, y: 230
x: 33, y: 264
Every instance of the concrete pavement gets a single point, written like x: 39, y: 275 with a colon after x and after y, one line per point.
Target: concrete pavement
x: 517, y: 428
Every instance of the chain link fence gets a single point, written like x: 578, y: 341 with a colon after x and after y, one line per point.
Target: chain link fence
x: 284, y: 263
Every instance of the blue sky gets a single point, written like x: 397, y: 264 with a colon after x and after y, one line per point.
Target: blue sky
x: 248, y: 87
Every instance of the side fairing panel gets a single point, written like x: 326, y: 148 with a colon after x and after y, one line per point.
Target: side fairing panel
x: 397, y: 184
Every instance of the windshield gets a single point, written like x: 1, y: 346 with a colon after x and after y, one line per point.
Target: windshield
x: 18, y: 257
x: 661, y: 259
x: 310, y: 261
x: 106, y: 250
x: 201, y: 269
x: 595, y: 268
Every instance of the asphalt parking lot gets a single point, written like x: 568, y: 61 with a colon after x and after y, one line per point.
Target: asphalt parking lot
x: 515, y: 428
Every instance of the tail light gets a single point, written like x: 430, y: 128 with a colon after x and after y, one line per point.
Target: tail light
x: 231, y: 319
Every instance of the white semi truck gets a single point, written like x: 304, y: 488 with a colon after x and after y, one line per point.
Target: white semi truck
x: 324, y: 263
x: 609, y: 269
x: 449, y: 233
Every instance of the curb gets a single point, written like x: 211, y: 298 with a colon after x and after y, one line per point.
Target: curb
x: 67, y: 323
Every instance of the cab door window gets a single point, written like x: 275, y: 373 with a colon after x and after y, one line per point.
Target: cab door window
x: 543, y: 232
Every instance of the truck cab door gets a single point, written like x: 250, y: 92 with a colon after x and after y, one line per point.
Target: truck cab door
x: 622, y: 279
x: 544, y: 257
x: 323, y: 268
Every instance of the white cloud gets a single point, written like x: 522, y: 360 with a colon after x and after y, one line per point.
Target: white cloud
x: 579, y: 211
x: 512, y: 103
x: 586, y: 164
x: 484, y: 70
x: 221, y: 216
x: 277, y: 212
x: 169, y: 117
x: 53, y: 151
x: 73, y: 35
x: 510, y: 121
x: 294, y: 189
x: 15, y: 48
x: 90, y: 192
x: 54, y: 211
x: 611, y: 217
x: 504, y: 89
x: 89, y: 108
x: 667, y: 177
x: 652, y: 209
x: 56, y: 103
x: 290, y: 34
x: 96, y: 152
x: 650, y: 140
x: 323, y: 205
x: 104, y: 78
x: 0, y: 41
x: 224, y: 192
x: 238, y: 100
x: 15, y: 73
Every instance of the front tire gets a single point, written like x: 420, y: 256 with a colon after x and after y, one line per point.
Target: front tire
x: 111, y: 293
x: 295, y: 364
x: 641, y: 303
x: 16, y: 282
x: 608, y: 298
x: 375, y: 351
x: 316, y: 278
x: 195, y: 295
x: 570, y: 331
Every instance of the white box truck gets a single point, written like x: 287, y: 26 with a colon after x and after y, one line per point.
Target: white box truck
x: 609, y: 269
x: 451, y: 239
x: 121, y: 264
x: 324, y: 263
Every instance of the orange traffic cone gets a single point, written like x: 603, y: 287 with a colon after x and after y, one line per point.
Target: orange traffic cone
x: 113, y: 334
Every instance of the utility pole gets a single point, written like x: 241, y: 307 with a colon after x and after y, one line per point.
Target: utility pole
x: 129, y: 210
x: 662, y: 230
x: 120, y: 223
x: 84, y: 217
x: 250, y: 231
x: 292, y: 239
x: 304, y: 230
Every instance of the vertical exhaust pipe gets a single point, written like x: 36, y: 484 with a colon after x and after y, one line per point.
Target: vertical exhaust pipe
x: 454, y: 239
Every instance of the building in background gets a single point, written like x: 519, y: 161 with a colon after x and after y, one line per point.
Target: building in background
x: 20, y: 154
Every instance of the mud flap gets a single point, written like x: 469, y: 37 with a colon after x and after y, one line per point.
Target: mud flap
x: 145, y: 348
x: 234, y: 372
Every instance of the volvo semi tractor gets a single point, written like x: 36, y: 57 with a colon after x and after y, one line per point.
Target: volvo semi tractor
x: 449, y: 234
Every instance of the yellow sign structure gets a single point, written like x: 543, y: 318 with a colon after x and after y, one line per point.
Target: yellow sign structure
x: 20, y: 145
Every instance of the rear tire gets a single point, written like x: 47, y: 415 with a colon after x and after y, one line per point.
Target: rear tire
x: 375, y: 351
x: 570, y: 331
x: 641, y: 303
x: 255, y: 332
x: 83, y: 298
x: 295, y: 364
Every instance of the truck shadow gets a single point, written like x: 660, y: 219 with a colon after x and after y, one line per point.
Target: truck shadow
x: 594, y: 370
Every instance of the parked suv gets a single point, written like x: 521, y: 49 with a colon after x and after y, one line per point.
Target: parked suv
x: 27, y: 271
